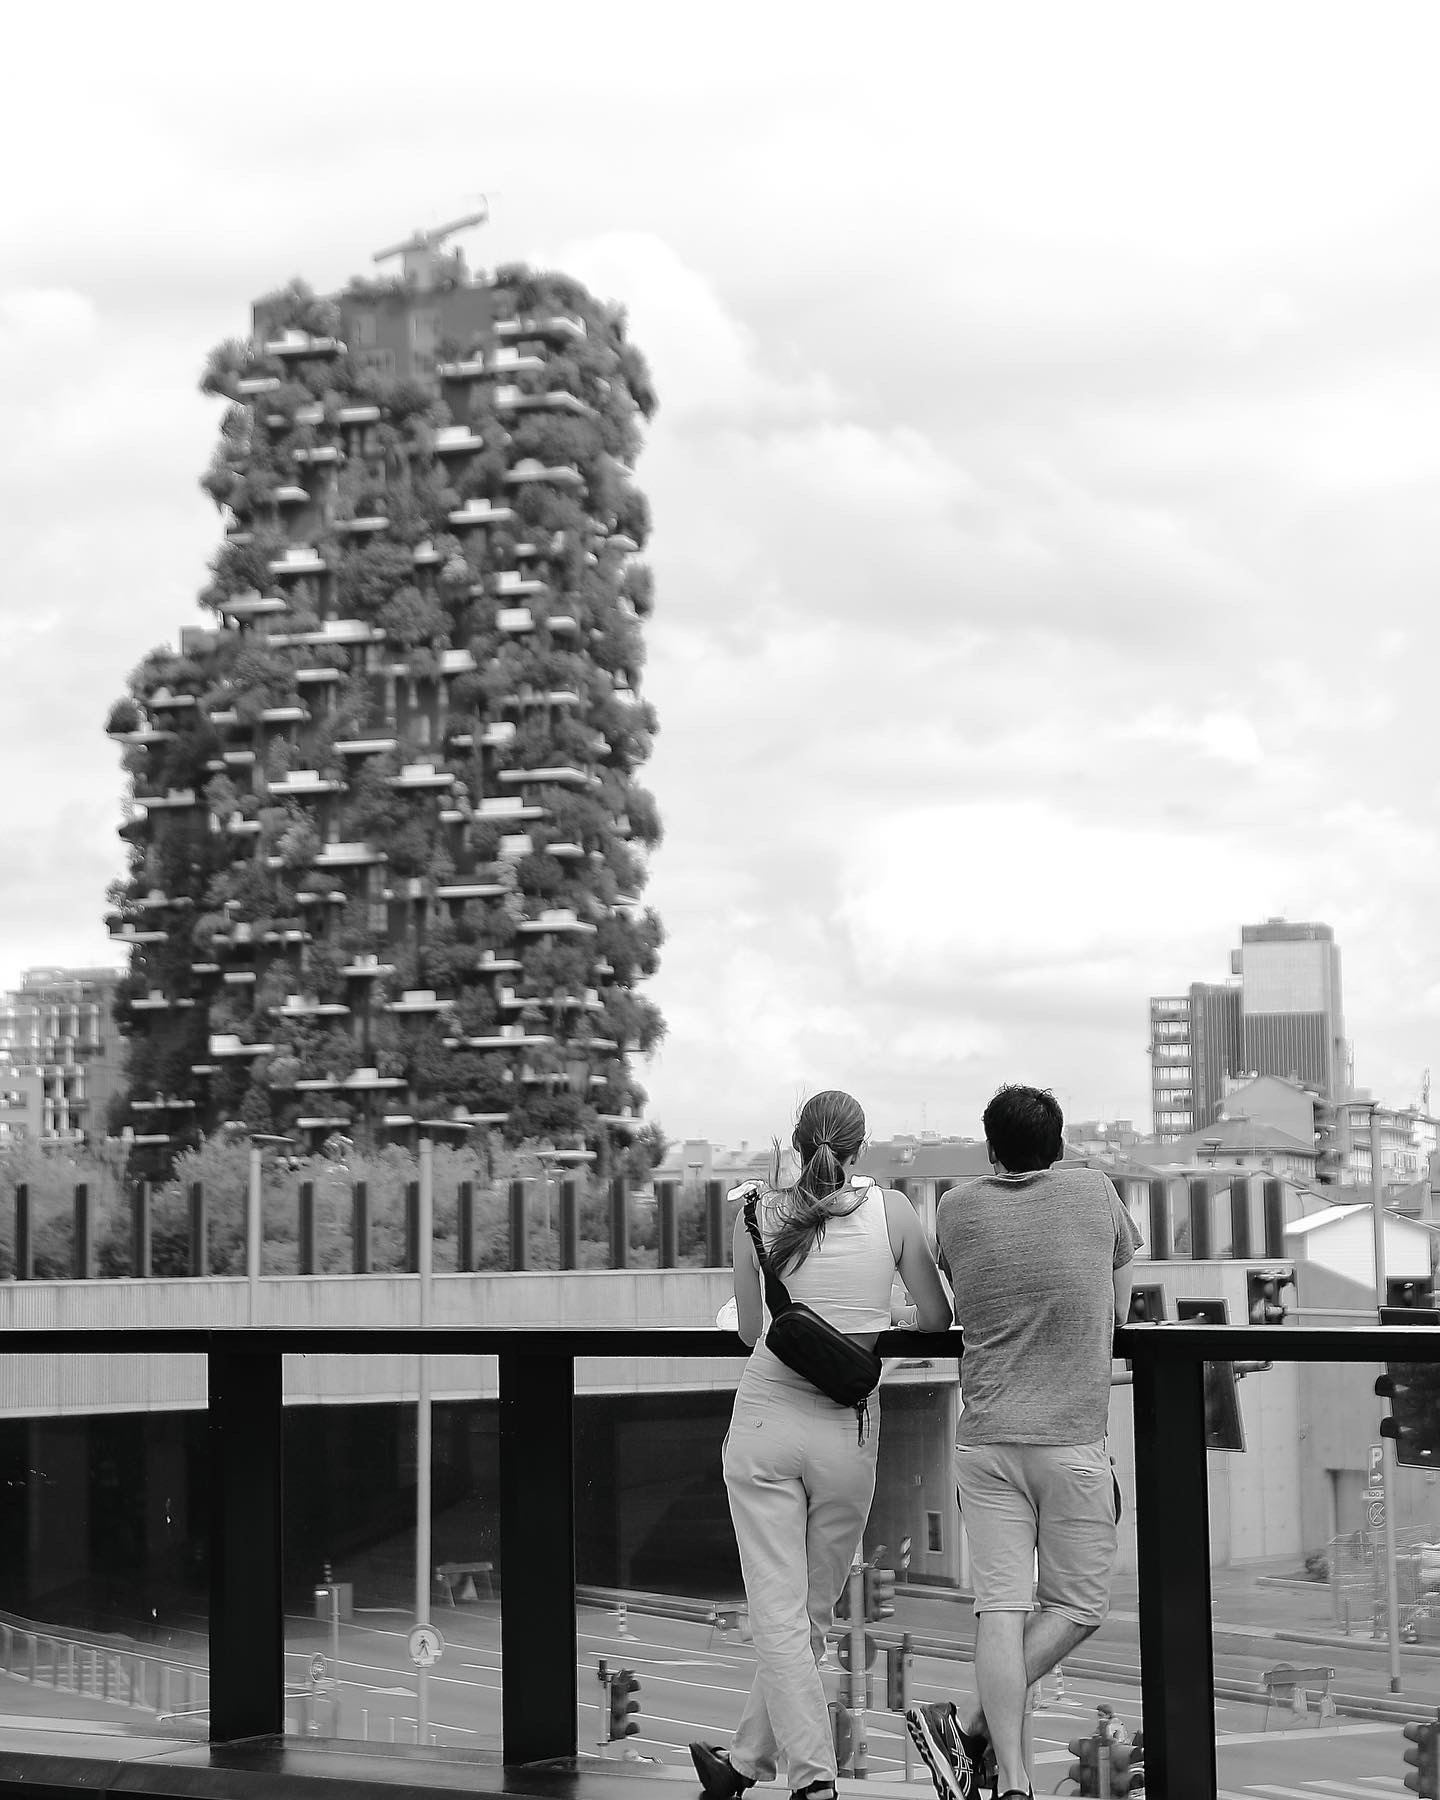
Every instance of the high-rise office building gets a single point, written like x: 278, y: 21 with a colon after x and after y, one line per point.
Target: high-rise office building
x: 61, y: 1058
x: 387, y: 843
x: 1194, y: 1046
x: 1279, y: 1015
x: 1293, y: 1018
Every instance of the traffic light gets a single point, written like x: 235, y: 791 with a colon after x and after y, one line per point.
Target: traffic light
x: 879, y: 1593
x: 1265, y: 1295
x: 1424, y: 1759
x: 1085, y: 1770
x: 1127, y: 1769
x: 1147, y: 1305
x: 1415, y: 1296
x: 899, y: 1660
x: 1224, y: 1428
x: 1413, y: 1390
x: 622, y: 1687
x: 1329, y: 1159
x: 842, y: 1727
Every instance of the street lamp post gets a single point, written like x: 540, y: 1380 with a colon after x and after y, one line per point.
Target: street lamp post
x: 1387, y: 1445
x: 422, y: 1436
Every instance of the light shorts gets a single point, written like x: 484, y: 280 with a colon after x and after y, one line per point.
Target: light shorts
x: 1040, y: 1519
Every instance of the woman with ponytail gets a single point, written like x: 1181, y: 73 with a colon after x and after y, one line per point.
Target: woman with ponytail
x: 799, y: 1473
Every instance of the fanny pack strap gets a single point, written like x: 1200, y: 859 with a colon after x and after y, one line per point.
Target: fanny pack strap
x: 777, y: 1295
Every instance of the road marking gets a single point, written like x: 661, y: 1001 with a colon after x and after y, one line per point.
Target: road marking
x: 1303, y: 1734
x: 1347, y: 1788
x: 1287, y: 1793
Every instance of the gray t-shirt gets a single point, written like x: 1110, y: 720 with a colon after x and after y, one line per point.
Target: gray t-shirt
x: 1031, y: 1259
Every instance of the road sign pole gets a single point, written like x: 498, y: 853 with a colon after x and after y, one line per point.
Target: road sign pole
x: 1387, y: 1448
x: 858, y: 1672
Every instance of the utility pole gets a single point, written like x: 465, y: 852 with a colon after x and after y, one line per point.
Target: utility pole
x: 422, y: 1438
x: 1387, y: 1445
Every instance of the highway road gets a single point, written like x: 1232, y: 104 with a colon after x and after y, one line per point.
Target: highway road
x: 693, y: 1682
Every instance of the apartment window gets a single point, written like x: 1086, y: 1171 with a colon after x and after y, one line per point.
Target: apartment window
x: 425, y: 329
x: 362, y: 329
x: 382, y: 361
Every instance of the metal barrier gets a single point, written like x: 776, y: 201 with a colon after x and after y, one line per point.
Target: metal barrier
x: 163, y: 1686
x: 538, y: 1627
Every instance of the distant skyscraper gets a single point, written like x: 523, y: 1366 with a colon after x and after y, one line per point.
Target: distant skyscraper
x: 1293, y: 1021
x: 1280, y: 1015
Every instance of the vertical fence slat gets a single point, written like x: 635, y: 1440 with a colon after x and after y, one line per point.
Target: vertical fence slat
x: 140, y: 1252
x: 715, y: 1257
x: 199, y: 1230
x: 247, y: 1624
x: 1172, y: 1529
x: 81, y: 1259
x: 465, y: 1228
x: 307, y: 1228
x: 360, y: 1226
x: 569, y: 1223
x: 519, y: 1243
x: 24, y: 1242
x: 538, y: 1643
x: 619, y: 1223
x: 665, y: 1206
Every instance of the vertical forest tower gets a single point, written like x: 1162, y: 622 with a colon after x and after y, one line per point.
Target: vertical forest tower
x: 387, y: 845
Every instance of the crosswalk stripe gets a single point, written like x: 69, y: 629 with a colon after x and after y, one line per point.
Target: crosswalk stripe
x: 1393, y: 1782
x: 1289, y: 1793
x: 1347, y: 1788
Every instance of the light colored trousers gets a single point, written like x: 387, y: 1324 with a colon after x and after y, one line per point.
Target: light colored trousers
x: 800, y: 1487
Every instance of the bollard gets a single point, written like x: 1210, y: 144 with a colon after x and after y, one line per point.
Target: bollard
x: 360, y: 1225
x: 412, y: 1227
x: 140, y: 1259
x: 465, y: 1228
x: 715, y: 1257
x: 199, y: 1230
x: 80, y: 1250
x: 306, y: 1251
x: 669, y: 1232
x: 519, y: 1247
x: 24, y: 1246
x: 619, y: 1223
x: 569, y: 1223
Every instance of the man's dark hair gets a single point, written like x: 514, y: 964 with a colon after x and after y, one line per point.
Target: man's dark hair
x: 1025, y: 1128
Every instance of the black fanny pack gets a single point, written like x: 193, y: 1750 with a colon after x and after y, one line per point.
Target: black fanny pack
x: 843, y: 1370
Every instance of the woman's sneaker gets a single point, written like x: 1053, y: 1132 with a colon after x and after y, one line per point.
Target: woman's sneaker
x: 953, y: 1755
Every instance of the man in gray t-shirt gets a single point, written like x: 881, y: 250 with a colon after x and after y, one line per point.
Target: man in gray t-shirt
x: 1039, y: 1257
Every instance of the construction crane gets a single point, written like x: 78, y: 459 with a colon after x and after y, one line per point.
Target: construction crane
x: 1425, y: 1093
x: 421, y: 249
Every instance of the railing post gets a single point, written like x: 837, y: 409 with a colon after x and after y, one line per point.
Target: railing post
x: 538, y: 1643
x: 247, y: 1623
x: 360, y: 1225
x: 619, y: 1223
x: 307, y: 1228
x: 140, y: 1262
x: 412, y: 1227
x: 199, y: 1230
x: 519, y: 1244
x: 24, y: 1243
x: 80, y: 1248
x: 668, y: 1231
x: 1172, y: 1530
x: 715, y: 1257
x: 569, y: 1223
x: 465, y: 1228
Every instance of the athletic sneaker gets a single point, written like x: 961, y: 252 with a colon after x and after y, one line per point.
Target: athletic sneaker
x: 953, y: 1755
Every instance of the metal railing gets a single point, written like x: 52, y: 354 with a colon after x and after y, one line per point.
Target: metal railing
x: 538, y: 1625
x: 165, y: 1686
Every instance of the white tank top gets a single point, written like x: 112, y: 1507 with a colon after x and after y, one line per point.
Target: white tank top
x: 848, y: 1275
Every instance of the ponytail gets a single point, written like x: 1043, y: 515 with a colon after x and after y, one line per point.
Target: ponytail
x: 828, y: 1133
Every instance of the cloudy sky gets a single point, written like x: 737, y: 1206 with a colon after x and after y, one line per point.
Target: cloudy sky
x: 1045, y: 481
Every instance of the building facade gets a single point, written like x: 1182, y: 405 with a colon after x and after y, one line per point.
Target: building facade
x: 61, y: 1057
x: 1280, y: 1014
x: 387, y: 841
